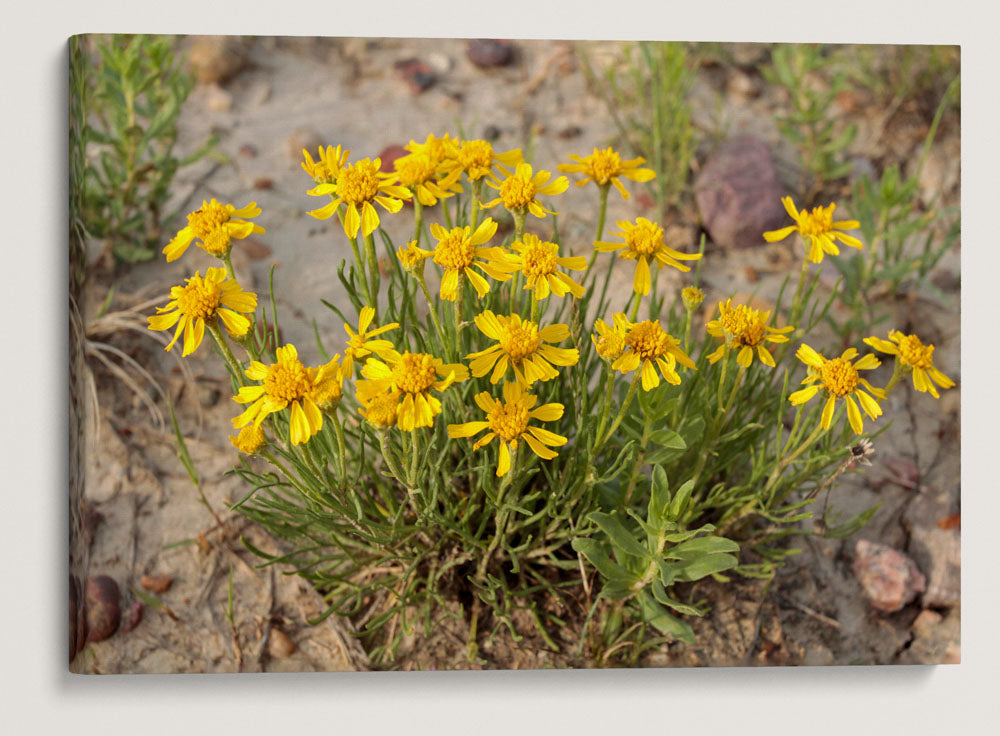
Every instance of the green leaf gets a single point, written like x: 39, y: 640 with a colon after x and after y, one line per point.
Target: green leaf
x: 691, y: 570
x: 660, y: 593
x: 668, y: 438
x: 852, y: 525
x: 597, y: 557
x: 620, y: 536
x: 659, y: 497
x: 703, y: 545
x: 658, y: 617
x: 680, y: 500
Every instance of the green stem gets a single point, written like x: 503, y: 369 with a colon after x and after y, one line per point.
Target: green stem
x: 601, y: 215
x: 341, y: 453
x: 418, y: 220
x: 477, y: 190
x: 372, y: 259
x: 621, y: 413
x: 534, y: 307
x: 433, y: 312
x: 722, y: 375
x: 635, y: 307
x: 796, y: 306
x: 609, y: 391
x: 784, y: 463
x: 220, y: 340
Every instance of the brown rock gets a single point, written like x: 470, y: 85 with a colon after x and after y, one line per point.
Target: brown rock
x: 255, y: 250
x: 248, y: 150
x: 490, y: 52
x: 417, y: 75
x: 739, y: 194
x: 103, y: 612
x: 263, y: 182
x: 279, y: 645
x: 157, y: 583
x: 216, y: 59
x: 890, y: 578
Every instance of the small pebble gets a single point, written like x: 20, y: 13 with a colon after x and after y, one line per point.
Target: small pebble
x: 103, y: 612
x: 889, y: 578
x: 218, y: 99
x: 248, y: 150
x: 491, y: 133
x: 490, y: 52
x: 263, y: 182
x: 254, y: 249
x: 303, y: 137
x: 441, y: 63
x: 157, y: 583
x: 279, y: 645
x: 216, y: 59
x: 571, y: 131
x: 418, y: 75
x: 132, y: 617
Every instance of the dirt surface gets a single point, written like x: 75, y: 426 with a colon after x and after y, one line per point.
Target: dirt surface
x: 300, y: 92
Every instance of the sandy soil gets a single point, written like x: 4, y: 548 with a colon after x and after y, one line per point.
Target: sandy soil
x: 295, y: 92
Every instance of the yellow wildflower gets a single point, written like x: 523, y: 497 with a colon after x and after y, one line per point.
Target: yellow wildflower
x: 249, y: 440
x: 839, y: 378
x: 359, y: 186
x: 647, y: 346
x: 418, y: 171
x: 521, y: 345
x: 818, y: 228
x: 215, y: 225
x: 283, y: 384
x: 692, y: 297
x: 508, y: 420
x: 442, y: 150
x: 913, y: 356
x: 606, y: 166
x: 518, y: 191
x: 412, y: 376
x: 201, y: 301
x: 459, y: 249
x: 326, y: 170
x: 610, y: 341
x: 538, y: 260
x: 381, y: 410
x: 412, y: 257
x: 327, y: 384
x: 745, y: 328
x: 361, y: 345
x: 478, y: 160
x: 644, y: 244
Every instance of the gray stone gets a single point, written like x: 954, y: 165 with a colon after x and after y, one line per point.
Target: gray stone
x: 739, y: 194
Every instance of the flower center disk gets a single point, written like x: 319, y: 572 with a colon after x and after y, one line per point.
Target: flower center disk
x: 914, y: 352
x: 517, y: 192
x: 358, y: 183
x: 415, y: 373
x: 287, y: 381
x: 509, y: 421
x: 520, y: 341
x: 455, y: 250
x: 647, y: 339
x: 200, y: 298
x: 645, y: 239
x: 604, y: 165
x: 839, y: 377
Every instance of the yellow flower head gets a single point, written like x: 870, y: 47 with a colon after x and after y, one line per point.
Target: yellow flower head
x: 327, y: 384
x: 644, y: 244
x: 411, y: 257
x: 605, y: 166
x: 442, y: 150
x: 692, y: 297
x: 818, y: 228
x: 201, y: 301
x: 459, y: 249
x: 518, y: 191
x: 521, y: 345
x: 286, y: 383
x: 647, y: 345
x: 360, y: 344
x: 411, y: 376
x: 216, y: 226
x: 359, y: 186
x: 538, y: 260
x: 249, y: 440
x: 610, y: 341
x: 326, y: 170
x: 839, y: 378
x: 381, y: 410
x: 913, y: 356
x: 508, y: 420
x: 418, y: 171
x: 745, y: 328
x: 478, y: 160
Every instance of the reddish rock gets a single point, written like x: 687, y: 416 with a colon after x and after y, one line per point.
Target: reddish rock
x: 103, y: 611
x: 263, y: 182
x: 388, y: 157
x: 418, y: 75
x: 132, y: 617
x: 890, y: 578
x: 279, y: 645
x: 490, y: 52
x: 216, y: 59
x: 739, y: 194
x: 157, y: 583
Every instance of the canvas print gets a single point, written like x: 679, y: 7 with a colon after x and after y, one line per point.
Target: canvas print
x: 416, y: 354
